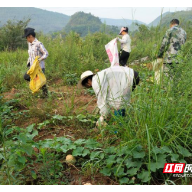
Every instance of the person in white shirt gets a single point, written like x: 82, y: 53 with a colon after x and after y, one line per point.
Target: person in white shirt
x: 112, y: 87
x: 125, y: 46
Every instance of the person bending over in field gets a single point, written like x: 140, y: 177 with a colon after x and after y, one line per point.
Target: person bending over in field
x: 35, y: 48
x: 112, y: 87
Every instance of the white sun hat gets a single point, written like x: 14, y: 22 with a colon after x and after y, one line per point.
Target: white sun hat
x: 84, y: 76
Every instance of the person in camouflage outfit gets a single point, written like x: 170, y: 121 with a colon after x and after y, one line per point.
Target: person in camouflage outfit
x: 172, y: 42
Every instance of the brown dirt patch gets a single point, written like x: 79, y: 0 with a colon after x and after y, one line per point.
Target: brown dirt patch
x: 98, y: 179
x: 23, y: 123
x: 10, y: 95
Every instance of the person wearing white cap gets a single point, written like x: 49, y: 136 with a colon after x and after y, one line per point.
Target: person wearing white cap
x: 125, y: 46
x: 112, y: 87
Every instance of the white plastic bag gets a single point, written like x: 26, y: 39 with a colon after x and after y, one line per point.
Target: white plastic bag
x: 112, y: 52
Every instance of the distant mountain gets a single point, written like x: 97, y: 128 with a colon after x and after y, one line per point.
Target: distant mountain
x: 41, y: 20
x: 183, y: 16
x: 83, y: 23
x: 158, y: 19
x: 120, y: 22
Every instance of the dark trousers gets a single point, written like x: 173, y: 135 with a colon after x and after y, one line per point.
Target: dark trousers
x: 120, y: 112
x: 44, y: 88
x: 123, y: 57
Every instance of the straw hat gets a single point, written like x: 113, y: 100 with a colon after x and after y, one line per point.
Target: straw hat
x: 84, y: 76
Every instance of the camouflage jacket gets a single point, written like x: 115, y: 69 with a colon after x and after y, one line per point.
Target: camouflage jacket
x: 174, y: 38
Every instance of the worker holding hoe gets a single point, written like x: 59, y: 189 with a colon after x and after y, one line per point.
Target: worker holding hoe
x: 35, y: 48
x: 112, y: 87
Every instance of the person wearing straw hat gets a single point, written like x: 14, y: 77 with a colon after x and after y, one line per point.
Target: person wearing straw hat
x: 35, y: 48
x: 125, y: 46
x: 112, y: 87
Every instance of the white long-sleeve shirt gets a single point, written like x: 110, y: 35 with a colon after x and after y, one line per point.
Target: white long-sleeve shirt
x: 125, y: 43
x: 113, y: 87
x: 36, y: 48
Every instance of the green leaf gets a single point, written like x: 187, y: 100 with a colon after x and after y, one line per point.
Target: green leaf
x: 144, y: 176
x: 94, y: 154
x: 31, y: 136
x: 22, y: 137
x: 123, y: 151
x: 59, y: 117
x: 119, y: 172
x: 182, y: 161
x: 33, y: 174
x: 119, y: 160
x: 160, y: 161
x: 183, y: 151
x: 72, y: 146
x: 174, y: 157
x: 9, y: 131
x: 84, y: 120
x: 153, y: 166
x: 123, y: 180
x: 80, y: 117
x: 85, y: 152
x: 132, y: 181
x: 22, y: 159
x: 166, y: 149
x: 110, y: 150
x: 46, y: 143
x: 64, y: 140
x: 102, y: 155
x: 130, y: 163
x: 92, y: 144
x: 138, y: 155
x: 64, y: 148
x: 132, y: 171
x: 1, y: 156
x: 110, y: 160
x: 30, y: 128
x: 79, y: 141
x: 106, y: 171
x: 78, y: 151
x: 27, y: 148
x: 157, y: 150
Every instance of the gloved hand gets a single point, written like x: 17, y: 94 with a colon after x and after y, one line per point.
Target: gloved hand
x: 100, y: 121
x: 117, y: 38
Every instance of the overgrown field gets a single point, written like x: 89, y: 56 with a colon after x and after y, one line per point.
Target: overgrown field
x: 37, y: 134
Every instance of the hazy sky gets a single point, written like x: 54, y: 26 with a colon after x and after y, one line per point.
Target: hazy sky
x: 144, y: 14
